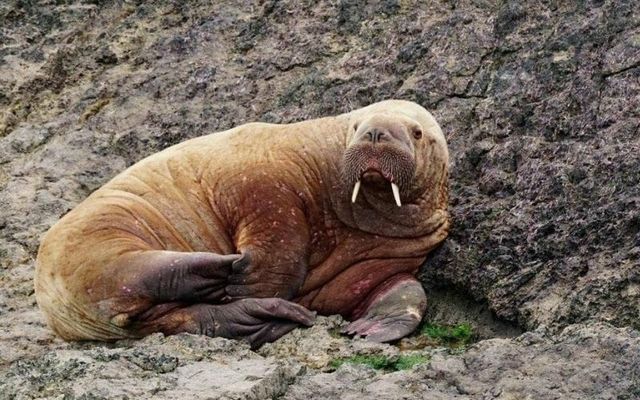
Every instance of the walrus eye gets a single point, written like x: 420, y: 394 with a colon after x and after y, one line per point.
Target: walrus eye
x: 417, y: 133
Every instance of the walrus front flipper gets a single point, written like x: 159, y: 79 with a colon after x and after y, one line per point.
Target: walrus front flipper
x: 257, y: 321
x: 392, y: 311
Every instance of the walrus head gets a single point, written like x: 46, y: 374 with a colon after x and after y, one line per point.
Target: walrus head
x: 382, y: 155
x: 393, y: 170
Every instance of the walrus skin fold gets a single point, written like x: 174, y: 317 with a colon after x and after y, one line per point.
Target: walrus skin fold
x: 249, y: 232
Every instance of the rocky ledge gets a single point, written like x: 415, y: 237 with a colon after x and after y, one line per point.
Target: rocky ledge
x: 583, y: 361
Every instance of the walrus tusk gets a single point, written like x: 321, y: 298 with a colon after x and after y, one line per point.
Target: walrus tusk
x: 396, y: 193
x: 356, y: 188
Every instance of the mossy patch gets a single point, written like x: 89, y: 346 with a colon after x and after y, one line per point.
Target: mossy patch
x: 449, y: 335
x: 410, y: 361
x: 394, y: 363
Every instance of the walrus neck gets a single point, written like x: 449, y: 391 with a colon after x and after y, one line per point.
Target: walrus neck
x: 376, y: 212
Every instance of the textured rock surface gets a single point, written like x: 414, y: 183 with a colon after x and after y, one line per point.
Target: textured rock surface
x: 582, y: 362
x: 183, y: 366
x: 540, y: 103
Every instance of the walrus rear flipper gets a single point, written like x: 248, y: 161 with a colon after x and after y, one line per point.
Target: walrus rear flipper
x: 257, y: 321
x: 144, y: 282
x: 185, y: 292
x: 167, y: 276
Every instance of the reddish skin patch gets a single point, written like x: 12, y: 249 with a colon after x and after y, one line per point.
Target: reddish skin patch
x: 345, y: 291
x: 361, y: 286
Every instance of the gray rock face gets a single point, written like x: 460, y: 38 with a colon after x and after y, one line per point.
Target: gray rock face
x: 581, y: 362
x: 183, y: 366
x: 540, y: 104
x: 594, y: 361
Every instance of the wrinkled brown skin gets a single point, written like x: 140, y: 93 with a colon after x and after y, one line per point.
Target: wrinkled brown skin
x: 241, y: 233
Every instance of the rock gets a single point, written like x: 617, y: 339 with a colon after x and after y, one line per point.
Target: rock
x: 596, y: 361
x: 540, y: 105
x: 106, y: 56
x: 156, y: 367
x: 317, y: 346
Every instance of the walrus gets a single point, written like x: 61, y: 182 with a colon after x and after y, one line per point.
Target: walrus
x: 250, y: 232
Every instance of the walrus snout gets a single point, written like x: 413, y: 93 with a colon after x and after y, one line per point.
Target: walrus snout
x: 384, y: 132
x: 381, y: 155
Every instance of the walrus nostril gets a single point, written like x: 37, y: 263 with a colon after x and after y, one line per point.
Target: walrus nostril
x: 374, y: 135
x: 369, y: 135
